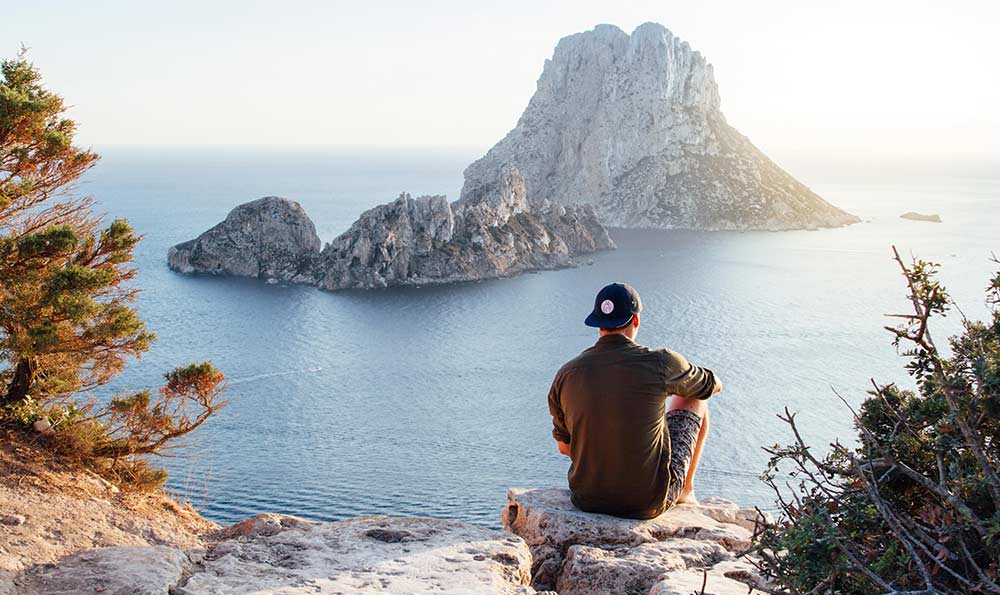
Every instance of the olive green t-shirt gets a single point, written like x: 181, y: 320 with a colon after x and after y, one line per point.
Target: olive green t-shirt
x: 608, y: 404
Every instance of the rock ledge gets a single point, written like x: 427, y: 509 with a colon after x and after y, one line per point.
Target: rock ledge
x: 579, y: 553
x: 278, y: 554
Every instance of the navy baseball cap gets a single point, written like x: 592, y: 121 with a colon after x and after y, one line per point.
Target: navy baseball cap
x: 615, y: 306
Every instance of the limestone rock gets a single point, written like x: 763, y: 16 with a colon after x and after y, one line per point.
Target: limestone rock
x: 488, y: 234
x: 365, y: 555
x: 720, y: 580
x: 632, y: 125
x: 152, y: 570
x: 265, y: 524
x: 590, y: 570
x: 269, y: 238
x: 727, y: 511
x: 547, y: 520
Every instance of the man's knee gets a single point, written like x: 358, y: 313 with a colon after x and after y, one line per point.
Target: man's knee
x: 697, y: 406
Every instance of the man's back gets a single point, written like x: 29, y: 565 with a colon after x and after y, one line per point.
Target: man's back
x: 609, y: 405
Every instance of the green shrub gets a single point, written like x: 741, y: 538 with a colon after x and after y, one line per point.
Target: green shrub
x: 67, y: 324
x: 915, y: 506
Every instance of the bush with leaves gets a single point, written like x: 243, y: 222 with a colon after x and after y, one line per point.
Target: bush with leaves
x: 915, y: 506
x: 67, y: 322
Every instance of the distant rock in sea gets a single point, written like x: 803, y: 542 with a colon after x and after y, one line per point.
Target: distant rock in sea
x: 632, y: 125
x: 269, y: 238
x: 492, y: 233
x: 919, y: 217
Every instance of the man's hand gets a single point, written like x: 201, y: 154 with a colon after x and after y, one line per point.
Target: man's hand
x: 563, y: 447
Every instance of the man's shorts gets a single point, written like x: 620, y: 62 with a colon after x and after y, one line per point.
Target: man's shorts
x: 683, y: 427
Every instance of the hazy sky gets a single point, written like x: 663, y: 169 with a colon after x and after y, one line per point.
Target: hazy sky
x: 874, y: 78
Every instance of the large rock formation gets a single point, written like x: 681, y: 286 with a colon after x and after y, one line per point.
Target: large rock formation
x: 579, y: 553
x: 274, y: 554
x: 550, y: 545
x: 491, y: 233
x: 632, y: 125
x: 269, y: 238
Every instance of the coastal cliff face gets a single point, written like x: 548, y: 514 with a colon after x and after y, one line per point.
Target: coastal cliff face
x: 410, y: 241
x: 494, y: 233
x: 269, y: 238
x: 632, y: 125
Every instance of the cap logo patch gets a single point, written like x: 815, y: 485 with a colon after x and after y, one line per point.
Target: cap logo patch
x: 607, y: 306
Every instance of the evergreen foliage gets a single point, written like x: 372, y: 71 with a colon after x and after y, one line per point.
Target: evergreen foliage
x: 67, y: 321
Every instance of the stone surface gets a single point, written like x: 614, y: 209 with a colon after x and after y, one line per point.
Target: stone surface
x: 552, y: 526
x: 114, y: 570
x: 492, y: 233
x: 269, y: 238
x: 727, y: 511
x: 363, y: 555
x: 590, y: 570
x: 264, y: 525
x: 720, y: 580
x: 632, y: 125
x: 574, y: 552
x: 920, y: 217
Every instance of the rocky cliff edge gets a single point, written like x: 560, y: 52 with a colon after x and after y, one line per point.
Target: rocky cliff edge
x: 549, y: 547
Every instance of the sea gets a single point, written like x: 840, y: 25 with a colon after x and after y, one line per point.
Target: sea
x: 431, y: 401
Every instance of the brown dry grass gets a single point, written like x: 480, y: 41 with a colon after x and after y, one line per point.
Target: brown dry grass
x: 66, y: 508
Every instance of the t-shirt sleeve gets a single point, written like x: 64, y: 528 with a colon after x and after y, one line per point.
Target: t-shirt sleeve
x: 688, y: 380
x: 559, y: 431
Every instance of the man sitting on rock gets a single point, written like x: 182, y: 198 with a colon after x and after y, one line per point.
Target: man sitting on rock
x: 632, y: 420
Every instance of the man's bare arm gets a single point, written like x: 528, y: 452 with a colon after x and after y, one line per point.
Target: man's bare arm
x: 563, y: 447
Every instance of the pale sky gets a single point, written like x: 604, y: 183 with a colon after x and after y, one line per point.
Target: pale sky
x: 868, y: 78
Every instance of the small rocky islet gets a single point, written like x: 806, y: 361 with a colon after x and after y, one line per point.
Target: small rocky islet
x: 622, y: 131
x: 410, y: 241
x: 914, y: 216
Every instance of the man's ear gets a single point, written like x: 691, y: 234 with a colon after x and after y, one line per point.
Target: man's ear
x: 635, y: 320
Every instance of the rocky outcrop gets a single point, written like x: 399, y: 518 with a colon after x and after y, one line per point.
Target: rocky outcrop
x: 549, y: 545
x: 583, y: 553
x: 273, y: 554
x: 632, y: 125
x: 492, y: 233
x: 366, y: 555
x: 269, y: 238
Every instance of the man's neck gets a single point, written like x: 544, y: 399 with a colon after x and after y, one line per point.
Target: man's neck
x: 627, y: 335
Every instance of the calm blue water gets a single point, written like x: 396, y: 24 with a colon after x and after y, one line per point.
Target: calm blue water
x: 433, y: 401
